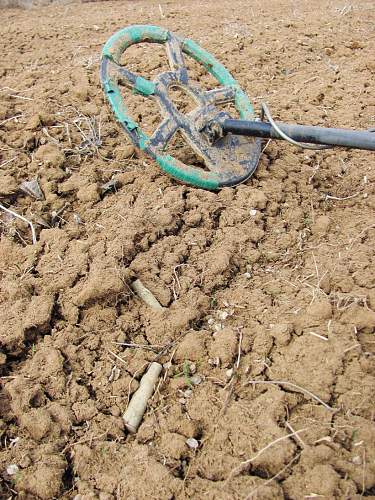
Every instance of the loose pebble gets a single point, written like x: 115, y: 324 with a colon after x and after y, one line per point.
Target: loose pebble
x: 222, y: 315
x: 196, y: 379
x: 12, y: 469
x: 192, y: 443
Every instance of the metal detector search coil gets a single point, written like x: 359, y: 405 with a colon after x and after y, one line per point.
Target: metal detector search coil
x: 229, y: 148
x: 231, y: 159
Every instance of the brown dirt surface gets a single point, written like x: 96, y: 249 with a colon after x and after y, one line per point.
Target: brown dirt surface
x: 272, y: 281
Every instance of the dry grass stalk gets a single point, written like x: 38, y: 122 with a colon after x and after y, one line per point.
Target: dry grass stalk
x: 294, y: 386
x: 33, y: 234
x: 243, y: 465
x: 252, y: 492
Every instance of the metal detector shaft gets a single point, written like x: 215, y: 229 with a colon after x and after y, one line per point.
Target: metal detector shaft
x: 301, y: 133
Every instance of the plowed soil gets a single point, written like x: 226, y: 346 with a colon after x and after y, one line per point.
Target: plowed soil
x: 267, y: 332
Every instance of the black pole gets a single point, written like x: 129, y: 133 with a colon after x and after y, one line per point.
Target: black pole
x: 301, y: 133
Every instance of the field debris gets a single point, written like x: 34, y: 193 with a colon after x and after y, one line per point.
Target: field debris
x: 18, y: 216
x: 12, y: 469
x: 32, y: 189
x: 192, y: 443
x: 145, y: 295
x: 137, y: 406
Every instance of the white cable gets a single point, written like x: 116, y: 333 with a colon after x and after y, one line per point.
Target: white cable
x: 282, y: 134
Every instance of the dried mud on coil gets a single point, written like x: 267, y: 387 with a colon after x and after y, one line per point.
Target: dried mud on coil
x: 271, y: 281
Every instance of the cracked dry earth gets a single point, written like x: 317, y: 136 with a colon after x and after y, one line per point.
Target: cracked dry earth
x: 272, y: 281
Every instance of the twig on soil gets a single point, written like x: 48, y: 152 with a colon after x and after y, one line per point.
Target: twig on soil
x: 145, y: 295
x: 137, y: 406
x: 176, y: 281
x: 243, y: 465
x: 337, y: 198
x: 345, y: 10
x: 169, y: 364
x: 85, y: 440
x: 21, y: 97
x: 147, y: 347
x: 161, y: 12
x: 33, y: 234
x: 266, y: 146
x: 301, y: 441
x: 317, y: 335
x: 15, y: 90
x: 290, y: 384
x: 165, y: 349
x: 47, y: 134
x: 249, y: 496
x: 117, y: 357
x: 352, y: 347
x: 8, y: 161
x: 115, y: 374
x: 345, y: 300
x: 10, y: 119
x: 91, y: 139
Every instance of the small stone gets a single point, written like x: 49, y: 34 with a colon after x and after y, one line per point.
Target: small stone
x: 182, y: 401
x: 12, y: 469
x: 188, y: 393
x: 192, y: 443
x: 32, y: 188
x: 229, y: 373
x: 357, y: 460
x: 222, y: 315
x: 247, y: 276
x: 196, y: 379
x: 211, y: 321
x: 192, y: 368
x: 77, y: 219
x: 114, y: 375
x: 110, y: 186
x: 253, y: 212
